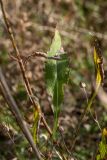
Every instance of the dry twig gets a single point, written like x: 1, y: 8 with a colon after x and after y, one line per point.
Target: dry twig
x: 22, y: 67
x: 21, y: 63
x: 14, y: 109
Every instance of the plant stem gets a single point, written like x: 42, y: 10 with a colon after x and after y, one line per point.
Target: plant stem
x: 14, y: 109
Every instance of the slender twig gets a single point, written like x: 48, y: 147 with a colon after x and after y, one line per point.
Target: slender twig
x: 14, y: 109
x: 42, y: 54
x: 27, y: 85
x: 36, y: 54
x: 95, y: 118
x: 68, y: 151
x: 22, y: 67
x: 86, y: 109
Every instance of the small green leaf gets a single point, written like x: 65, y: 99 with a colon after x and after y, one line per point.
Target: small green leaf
x: 56, y: 75
x: 62, y: 71
x: 56, y: 44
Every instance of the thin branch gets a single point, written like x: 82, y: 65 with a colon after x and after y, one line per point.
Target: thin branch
x: 36, y: 54
x: 27, y: 85
x: 14, y: 109
x: 44, y: 55
x: 86, y: 109
x: 22, y: 67
x: 67, y: 150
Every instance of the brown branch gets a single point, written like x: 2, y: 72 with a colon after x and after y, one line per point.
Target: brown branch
x: 36, y: 54
x: 44, y: 55
x: 27, y: 85
x: 14, y: 109
x: 22, y: 67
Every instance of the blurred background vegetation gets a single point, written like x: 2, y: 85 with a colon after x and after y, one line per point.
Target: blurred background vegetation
x: 33, y: 23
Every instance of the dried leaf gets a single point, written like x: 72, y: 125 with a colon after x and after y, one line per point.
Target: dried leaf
x: 98, y: 61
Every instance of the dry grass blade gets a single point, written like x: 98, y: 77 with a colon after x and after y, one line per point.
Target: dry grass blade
x: 98, y: 62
